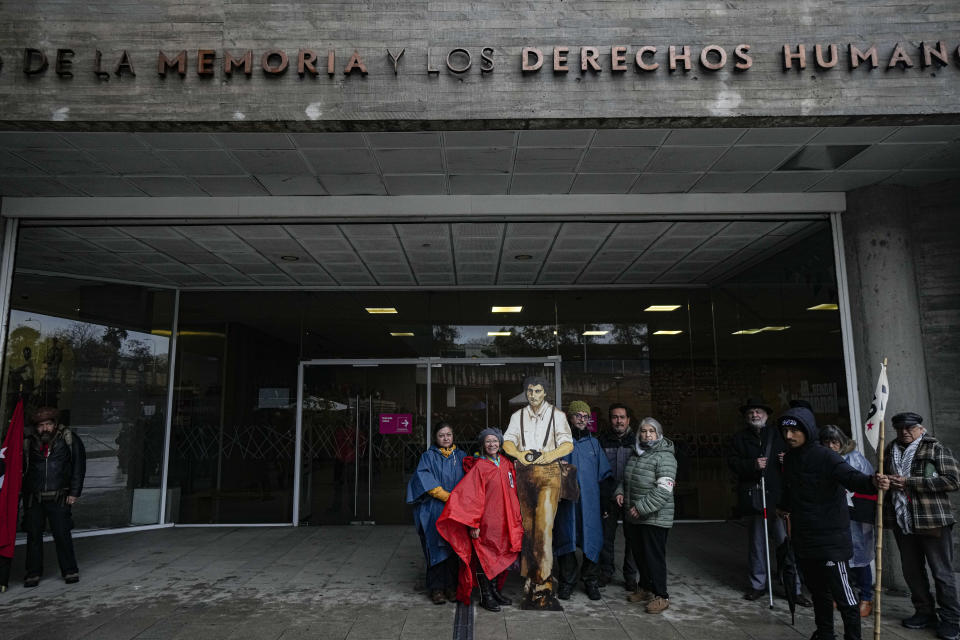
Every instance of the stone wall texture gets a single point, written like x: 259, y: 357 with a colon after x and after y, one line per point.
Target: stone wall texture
x: 427, y: 30
x: 937, y: 236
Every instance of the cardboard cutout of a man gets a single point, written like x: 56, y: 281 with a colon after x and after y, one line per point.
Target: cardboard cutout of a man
x: 537, y: 437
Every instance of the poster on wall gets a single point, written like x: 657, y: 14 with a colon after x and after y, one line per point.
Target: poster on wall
x: 396, y: 423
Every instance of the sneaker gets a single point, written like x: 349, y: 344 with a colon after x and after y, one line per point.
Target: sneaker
x: 31, y: 581
x: 71, y: 578
x: 640, y: 595
x: 948, y: 631
x: 920, y: 621
x: 564, y: 592
x: 658, y: 605
x: 804, y: 601
x: 593, y: 591
x: 437, y: 597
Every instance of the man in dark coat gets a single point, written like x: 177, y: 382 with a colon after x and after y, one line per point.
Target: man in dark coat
x: 814, y: 501
x: 56, y: 464
x: 580, y: 523
x: 755, y: 452
x: 618, y: 443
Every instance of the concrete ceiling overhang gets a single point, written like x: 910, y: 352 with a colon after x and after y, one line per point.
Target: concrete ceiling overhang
x: 410, y: 255
x: 576, y: 161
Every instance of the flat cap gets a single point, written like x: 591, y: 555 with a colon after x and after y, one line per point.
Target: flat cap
x: 907, y: 419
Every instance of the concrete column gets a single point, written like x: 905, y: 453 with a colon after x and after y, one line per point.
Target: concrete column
x: 885, y: 312
x: 884, y: 301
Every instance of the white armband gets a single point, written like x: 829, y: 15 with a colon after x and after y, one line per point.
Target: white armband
x: 666, y: 482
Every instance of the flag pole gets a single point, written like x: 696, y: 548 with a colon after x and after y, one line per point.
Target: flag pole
x: 879, y: 531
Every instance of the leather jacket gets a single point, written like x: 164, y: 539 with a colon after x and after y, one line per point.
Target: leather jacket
x: 61, y: 471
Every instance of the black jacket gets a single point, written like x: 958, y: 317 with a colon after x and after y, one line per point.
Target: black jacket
x: 746, y: 446
x: 814, y: 478
x: 62, y: 470
x: 618, y: 450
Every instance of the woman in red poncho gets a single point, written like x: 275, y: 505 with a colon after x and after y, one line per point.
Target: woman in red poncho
x: 482, y: 523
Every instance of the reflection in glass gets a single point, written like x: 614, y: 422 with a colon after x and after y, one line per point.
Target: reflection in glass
x: 98, y: 352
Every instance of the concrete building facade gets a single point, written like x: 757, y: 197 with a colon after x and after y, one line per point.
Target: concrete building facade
x: 737, y: 158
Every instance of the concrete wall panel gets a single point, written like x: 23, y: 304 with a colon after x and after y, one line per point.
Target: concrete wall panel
x: 505, y: 97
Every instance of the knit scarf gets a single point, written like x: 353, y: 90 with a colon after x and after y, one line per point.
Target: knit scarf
x: 446, y: 452
x: 902, y: 461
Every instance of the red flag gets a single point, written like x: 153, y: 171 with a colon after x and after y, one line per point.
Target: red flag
x: 10, y: 481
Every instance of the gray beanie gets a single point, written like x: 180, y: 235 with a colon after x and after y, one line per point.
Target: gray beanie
x: 490, y: 431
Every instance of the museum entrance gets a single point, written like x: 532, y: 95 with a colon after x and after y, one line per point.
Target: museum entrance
x: 364, y: 424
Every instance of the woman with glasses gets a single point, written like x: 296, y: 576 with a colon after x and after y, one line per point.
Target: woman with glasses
x: 439, y: 471
x: 482, y: 522
x: 646, y: 495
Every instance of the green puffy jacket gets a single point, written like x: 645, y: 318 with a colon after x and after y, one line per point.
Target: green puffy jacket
x: 648, y: 482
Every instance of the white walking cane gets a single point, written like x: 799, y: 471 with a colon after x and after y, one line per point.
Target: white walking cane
x: 766, y: 536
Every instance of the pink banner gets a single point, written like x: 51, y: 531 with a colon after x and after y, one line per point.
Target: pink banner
x: 396, y: 423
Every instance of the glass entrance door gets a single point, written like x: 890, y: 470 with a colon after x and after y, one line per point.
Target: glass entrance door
x: 363, y: 425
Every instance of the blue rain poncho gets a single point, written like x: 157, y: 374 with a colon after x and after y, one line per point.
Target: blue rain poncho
x: 433, y: 471
x: 580, y: 524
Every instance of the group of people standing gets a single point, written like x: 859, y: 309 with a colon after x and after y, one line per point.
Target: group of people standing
x: 824, y: 493
x: 536, y: 494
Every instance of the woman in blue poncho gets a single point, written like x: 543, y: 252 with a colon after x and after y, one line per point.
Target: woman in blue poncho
x: 439, y: 471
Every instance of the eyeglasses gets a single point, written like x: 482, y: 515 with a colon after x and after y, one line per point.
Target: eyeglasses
x: 581, y: 416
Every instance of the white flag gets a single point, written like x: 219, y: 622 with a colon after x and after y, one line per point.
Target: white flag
x: 878, y: 407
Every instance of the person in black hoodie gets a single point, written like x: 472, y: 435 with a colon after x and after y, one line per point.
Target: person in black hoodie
x: 814, y: 503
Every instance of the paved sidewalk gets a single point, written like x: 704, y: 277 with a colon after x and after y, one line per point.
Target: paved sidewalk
x: 353, y: 583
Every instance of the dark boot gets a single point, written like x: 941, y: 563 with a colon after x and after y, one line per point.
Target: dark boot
x: 499, y: 597
x: 487, y: 600
x: 593, y: 590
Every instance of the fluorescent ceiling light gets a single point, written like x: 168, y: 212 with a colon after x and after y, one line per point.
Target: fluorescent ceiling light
x: 662, y: 307
x: 750, y: 332
x: 380, y: 309
x: 506, y: 309
x: 667, y: 332
x: 823, y: 307
x: 596, y: 333
x: 498, y: 333
x: 401, y: 334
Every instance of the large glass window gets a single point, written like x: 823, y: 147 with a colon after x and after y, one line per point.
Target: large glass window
x: 98, y: 352
x: 708, y: 323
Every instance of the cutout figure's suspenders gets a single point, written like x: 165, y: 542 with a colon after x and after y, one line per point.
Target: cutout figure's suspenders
x: 546, y: 437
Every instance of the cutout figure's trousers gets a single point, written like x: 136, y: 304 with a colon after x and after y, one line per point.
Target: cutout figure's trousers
x: 538, y: 487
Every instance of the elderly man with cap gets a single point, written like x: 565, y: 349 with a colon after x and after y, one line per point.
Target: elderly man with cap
x: 580, y: 523
x: 920, y: 473
x: 756, y: 452
x: 537, y: 437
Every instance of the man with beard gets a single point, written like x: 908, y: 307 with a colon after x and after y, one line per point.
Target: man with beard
x: 55, y: 463
x: 756, y: 452
x: 618, y: 445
